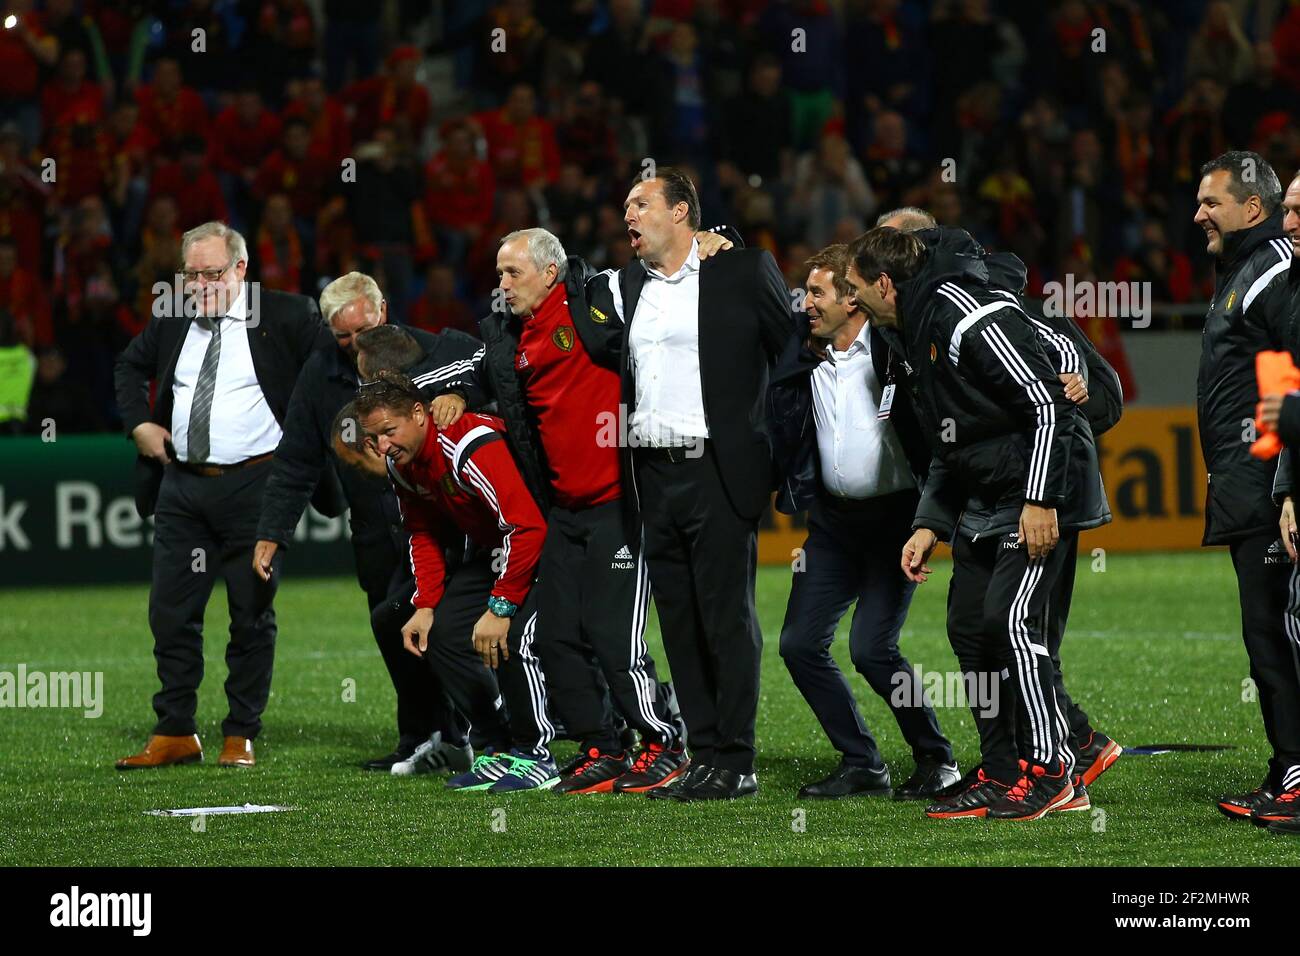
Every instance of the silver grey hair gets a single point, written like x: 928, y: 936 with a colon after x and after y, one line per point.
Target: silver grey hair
x: 236, y: 247
x: 543, y: 249
x: 345, y: 290
x: 914, y: 219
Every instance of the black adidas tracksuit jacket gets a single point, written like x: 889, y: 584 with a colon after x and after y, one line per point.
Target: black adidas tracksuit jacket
x: 1253, y: 310
x: 1003, y: 434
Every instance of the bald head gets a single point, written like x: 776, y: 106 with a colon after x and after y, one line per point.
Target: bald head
x: 907, y: 219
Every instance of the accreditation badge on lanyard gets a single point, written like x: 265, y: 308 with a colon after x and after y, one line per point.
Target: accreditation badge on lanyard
x: 886, y: 396
x: 886, y: 402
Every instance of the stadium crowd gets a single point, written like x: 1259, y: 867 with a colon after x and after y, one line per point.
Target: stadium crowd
x: 121, y: 127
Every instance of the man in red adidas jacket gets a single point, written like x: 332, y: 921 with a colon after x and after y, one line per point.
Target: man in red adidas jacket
x: 453, y: 484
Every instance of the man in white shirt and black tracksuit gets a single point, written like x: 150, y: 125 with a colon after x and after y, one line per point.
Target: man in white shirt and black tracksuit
x: 1007, y: 485
x: 699, y: 342
x: 224, y: 380
x: 849, y: 450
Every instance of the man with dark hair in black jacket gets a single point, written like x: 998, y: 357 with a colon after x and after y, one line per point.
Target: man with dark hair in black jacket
x: 431, y: 736
x: 1278, y: 306
x: 1238, y: 208
x: 1094, y: 386
x: 1010, y: 483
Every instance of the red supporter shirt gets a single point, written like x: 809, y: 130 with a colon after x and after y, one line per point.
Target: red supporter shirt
x: 485, y: 500
x: 236, y: 147
x: 197, y: 201
x: 171, y: 121
x: 574, y: 399
x: 521, y: 155
x: 63, y: 107
x: 457, y: 198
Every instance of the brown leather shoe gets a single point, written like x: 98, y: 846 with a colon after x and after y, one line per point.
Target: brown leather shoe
x: 236, y: 752
x: 162, y: 751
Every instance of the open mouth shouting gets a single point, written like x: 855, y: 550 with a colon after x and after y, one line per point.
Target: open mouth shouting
x: 634, y: 236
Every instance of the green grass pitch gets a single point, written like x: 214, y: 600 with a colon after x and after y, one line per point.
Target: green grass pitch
x: 1154, y: 654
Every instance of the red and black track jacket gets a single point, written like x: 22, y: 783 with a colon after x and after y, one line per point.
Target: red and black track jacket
x: 464, y: 483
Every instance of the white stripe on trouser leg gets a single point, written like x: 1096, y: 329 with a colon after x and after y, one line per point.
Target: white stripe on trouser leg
x: 1063, y: 749
x: 645, y: 688
x: 1025, y: 651
x: 1026, y: 666
x: 1291, y: 625
x: 1291, y: 617
x: 536, y: 683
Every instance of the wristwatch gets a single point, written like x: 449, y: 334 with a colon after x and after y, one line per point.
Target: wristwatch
x: 501, y: 607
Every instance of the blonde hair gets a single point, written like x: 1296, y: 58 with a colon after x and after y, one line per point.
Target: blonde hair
x: 236, y: 247
x: 345, y: 290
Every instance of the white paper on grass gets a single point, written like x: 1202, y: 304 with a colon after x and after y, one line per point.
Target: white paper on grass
x: 214, y: 811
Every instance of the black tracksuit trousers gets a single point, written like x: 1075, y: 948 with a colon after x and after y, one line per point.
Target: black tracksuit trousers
x: 523, y: 722
x: 1269, y: 585
x: 422, y: 704
x: 997, y: 625
x: 593, y: 600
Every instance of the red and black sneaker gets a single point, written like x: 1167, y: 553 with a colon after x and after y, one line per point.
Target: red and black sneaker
x: 653, y: 767
x: 1239, y: 806
x: 982, y: 792
x: 1080, y: 800
x: 1284, y: 806
x: 596, y: 773
x: 1036, y: 794
x: 1096, y: 756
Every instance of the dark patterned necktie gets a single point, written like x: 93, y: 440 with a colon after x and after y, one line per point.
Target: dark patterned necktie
x: 200, y: 441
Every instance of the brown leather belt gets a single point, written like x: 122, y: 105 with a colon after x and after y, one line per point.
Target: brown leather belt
x: 215, y: 471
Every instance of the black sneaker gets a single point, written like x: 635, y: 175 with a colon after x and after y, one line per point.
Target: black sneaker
x: 1036, y: 794
x: 1239, y: 806
x: 1284, y: 806
x: 1289, y: 827
x: 930, y: 778
x: 974, y: 801
x: 655, y: 766
x: 626, y: 742
x: 595, y: 773
x: 1096, y: 757
x: 1080, y: 800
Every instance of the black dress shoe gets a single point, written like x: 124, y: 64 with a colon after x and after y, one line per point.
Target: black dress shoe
x: 719, y: 784
x: 672, y: 791
x: 848, y: 780
x: 404, y: 751
x: 931, y: 777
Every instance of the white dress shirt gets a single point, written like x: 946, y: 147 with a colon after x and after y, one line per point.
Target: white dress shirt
x: 861, y: 456
x: 665, y: 346
x: 242, y: 424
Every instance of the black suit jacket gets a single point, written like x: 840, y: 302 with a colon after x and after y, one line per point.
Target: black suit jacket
x: 745, y: 322
x: 284, y: 330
